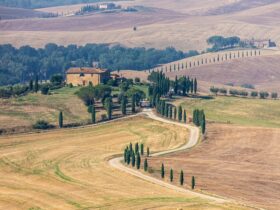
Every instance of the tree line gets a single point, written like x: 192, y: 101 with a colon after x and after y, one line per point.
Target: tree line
x: 22, y: 64
x: 243, y: 93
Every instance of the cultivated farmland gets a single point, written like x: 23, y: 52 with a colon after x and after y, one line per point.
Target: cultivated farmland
x: 68, y: 169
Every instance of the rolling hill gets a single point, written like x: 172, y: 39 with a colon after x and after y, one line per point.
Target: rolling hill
x: 18, y: 13
x: 262, y: 71
x: 185, y: 25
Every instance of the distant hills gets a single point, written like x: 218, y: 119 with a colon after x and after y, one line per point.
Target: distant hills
x: 32, y: 4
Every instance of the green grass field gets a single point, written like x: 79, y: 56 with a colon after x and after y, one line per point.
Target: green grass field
x: 241, y: 111
x: 26, y: 110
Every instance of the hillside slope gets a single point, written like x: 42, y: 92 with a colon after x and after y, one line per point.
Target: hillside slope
x: 183, y: 24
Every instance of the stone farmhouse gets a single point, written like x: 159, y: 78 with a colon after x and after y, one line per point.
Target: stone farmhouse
x: 83, y: 76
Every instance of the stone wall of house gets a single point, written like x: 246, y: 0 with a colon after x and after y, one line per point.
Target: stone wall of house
x: 83, y: 80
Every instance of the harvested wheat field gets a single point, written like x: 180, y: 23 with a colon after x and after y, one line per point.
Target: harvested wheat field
x: 68, y: 169
x: 184, y: 25
x: 233, y: 161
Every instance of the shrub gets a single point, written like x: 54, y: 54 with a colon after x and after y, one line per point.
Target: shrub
x: 137, y: 80
x: 243, y: 93
x: 233, y: 92
x: 6, y: 92
x: 45, y: 89
x: 19, y: 90
x: 56, y: 79
x: 214, y: 90
x: 274, y: 95
x: 254, y: 94
x: 223, y: 91
x: 42, y: 124
x: 264, y: 95
x: 249, y: 86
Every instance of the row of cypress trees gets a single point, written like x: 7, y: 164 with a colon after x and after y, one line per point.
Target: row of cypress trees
x: 181, y: 176
x: 170, y: 111
x: 199, y: 119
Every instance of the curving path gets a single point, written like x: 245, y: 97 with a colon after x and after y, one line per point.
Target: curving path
x: 193, y: 140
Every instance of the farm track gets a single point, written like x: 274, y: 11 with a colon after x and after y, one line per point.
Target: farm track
x: 193, y: 141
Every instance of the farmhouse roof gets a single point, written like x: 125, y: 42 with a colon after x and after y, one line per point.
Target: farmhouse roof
x: 85, y: 70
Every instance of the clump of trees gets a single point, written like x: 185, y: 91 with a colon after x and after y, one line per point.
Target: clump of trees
x: 42, y: 125
x: 220, y: 42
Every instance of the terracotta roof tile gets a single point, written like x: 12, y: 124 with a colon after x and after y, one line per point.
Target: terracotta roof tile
x: 85, y: 70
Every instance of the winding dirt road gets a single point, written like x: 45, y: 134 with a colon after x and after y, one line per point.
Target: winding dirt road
x: 193, y: 140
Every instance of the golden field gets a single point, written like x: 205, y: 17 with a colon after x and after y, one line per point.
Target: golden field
x: 68, y: 169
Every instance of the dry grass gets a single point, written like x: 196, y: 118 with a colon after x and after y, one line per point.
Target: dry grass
x: 237, y: 162
x: 261, y: 71
x: 68, y: 169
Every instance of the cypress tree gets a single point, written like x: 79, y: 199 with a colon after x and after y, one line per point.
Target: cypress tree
x: 170, y: 111
x: 31, y: 85
x: 180, y: 113
x: 203, y: 126
x: 93, y: 115
x: 162, y: 108
x: 166, y: 109
x: 146, y: 165
x: 109, y: 107
x: 176, y: 85
x: 125, y: 155
x: 193, y: 182
x: 138, y: 161
x: 148, y: 151
x: 142, y: 148
x: 162, y: 171
x: 185, y: 116
x: 130, y: 148
x: 133, y: 104
x: 191, y: 85
x: 182, y: 178
x: 123, y: 105
x: 133, y: 159
x: 184, y: 85
x: 136, y: 148
x: 60, y: 119
x: 171, y: 175
x: 175, y: 113
x: 128, y: 156
x: 195, y: 86
x: 188, y: 85
x: 36, y: 86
